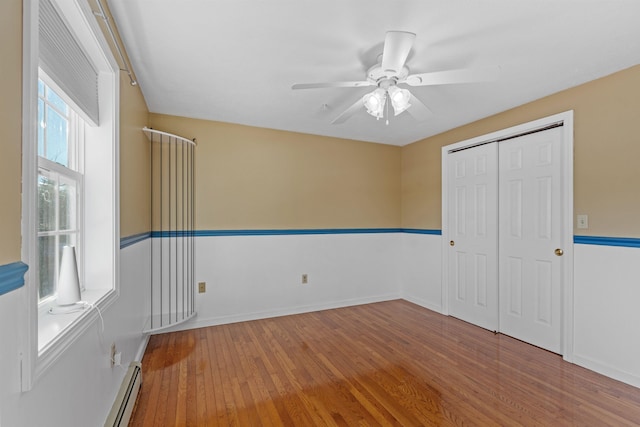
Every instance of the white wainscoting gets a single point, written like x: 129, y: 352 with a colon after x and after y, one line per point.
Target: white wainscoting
x: 80, y: 387
x: 253, y: 277
x: 421, y: 270
x: 607, y: 310
x: 135, y: 285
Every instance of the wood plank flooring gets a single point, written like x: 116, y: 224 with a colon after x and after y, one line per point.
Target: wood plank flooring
x: 389, y: 364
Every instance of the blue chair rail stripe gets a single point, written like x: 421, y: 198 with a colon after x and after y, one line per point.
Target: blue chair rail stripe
x: 629, y: 242
x: 12, y: 276
x: 131, y: 240
x: 422, y: 231
x: 296, y: 231
x: 284, y: 232
x: 128, y: 241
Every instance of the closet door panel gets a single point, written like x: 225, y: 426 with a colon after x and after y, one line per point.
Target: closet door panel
x: 530, y: 171
x: 472, y: 217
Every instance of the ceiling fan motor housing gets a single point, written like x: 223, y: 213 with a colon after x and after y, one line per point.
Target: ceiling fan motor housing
x: 386, y: 78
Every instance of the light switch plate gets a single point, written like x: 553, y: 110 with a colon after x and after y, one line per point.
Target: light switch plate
x: 583, y: 221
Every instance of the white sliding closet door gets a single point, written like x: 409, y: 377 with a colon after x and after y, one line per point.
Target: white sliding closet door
x: 530, y: 173
x: 473, y: 276
x: 504, y: 216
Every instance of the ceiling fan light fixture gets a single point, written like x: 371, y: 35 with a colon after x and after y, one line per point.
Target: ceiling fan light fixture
x: 391, y: 70
x: 374, y: 102
x: 399, y: 99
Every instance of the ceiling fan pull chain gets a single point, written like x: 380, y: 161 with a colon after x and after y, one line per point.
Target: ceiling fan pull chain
x: 388, y: 100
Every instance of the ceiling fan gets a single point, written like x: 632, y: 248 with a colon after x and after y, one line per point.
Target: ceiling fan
x: 392, y: 71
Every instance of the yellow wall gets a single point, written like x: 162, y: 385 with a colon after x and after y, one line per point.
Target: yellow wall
x: 253, y: 178
x: 10, y: 129
x: 606, y: 153
x: 135, y: 179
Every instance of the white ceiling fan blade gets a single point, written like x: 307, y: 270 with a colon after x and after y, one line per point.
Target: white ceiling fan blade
x: 397, y: 45
x: 418, y: 110
x: 356, y: 107
x: 463, y: 75
x: 330, y: 84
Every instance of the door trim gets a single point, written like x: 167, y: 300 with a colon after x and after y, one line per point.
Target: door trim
x: 566, y: 118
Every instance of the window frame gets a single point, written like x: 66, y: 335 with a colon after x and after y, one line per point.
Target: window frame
x: 102, y: 222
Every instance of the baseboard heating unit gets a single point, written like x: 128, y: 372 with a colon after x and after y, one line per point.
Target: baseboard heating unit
x: 126, y: 398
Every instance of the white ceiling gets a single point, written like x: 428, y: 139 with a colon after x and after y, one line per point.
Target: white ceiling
x: 235, y: 60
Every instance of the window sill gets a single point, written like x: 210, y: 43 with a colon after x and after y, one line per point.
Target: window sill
x: 56, y: 332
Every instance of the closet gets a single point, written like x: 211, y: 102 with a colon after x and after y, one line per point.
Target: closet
x: 506, y: 233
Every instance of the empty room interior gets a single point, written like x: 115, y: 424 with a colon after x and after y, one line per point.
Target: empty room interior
x: 319, y: 213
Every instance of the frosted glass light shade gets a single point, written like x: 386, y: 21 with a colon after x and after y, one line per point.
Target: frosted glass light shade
x: 374, y: 102
x: 399, y: 99
x: 68, y: 281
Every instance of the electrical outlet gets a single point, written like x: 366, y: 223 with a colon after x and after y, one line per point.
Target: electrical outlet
x: 113, y: 354
x: 202, y: 287
x: 305, y: 279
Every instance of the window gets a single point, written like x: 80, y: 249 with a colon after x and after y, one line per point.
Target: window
x: 60, y: 180
x: 70, y: 170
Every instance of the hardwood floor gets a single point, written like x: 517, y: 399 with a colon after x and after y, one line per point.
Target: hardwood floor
x: 389, y: 363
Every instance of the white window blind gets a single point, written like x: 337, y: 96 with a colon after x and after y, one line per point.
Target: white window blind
x: 64, y: 61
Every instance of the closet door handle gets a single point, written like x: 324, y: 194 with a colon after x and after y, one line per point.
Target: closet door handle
x: 558, y: 252
x: 452, y: 243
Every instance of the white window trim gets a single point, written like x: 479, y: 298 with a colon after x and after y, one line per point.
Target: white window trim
x: 78, y: 12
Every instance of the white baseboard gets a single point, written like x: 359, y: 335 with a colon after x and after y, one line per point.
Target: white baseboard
x: 424, y: 303
x: 200, y: 322
x: 604, y: 369
x: 142, y: 348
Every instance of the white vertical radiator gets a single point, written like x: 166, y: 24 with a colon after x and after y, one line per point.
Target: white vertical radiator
x: 172, y: 230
